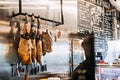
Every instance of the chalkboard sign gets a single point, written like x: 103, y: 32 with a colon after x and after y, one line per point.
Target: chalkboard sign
x: 108, y: 26
x: 89, y: 16
x: 83, y: 15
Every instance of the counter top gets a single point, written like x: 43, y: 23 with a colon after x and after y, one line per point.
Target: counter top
x: 109, y: 65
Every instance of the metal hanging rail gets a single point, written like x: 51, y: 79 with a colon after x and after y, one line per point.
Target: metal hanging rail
x: 57, y: 23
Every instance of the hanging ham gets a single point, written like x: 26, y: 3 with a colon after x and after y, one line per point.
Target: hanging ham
x: 25, y: 46
x: 33, y: 41
x: 39, y: 47
x: 59, y: 34
x: 47, y: 42
x: 24, y: 51
x: 33, y: 52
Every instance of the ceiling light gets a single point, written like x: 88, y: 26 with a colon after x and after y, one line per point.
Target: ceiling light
x: 116, y: 4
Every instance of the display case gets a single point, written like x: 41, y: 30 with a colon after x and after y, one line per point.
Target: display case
x: 107, y: 72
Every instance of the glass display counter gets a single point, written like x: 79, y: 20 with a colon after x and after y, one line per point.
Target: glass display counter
x: 107, y: 72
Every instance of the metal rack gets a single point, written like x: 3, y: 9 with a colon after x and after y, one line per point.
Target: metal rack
x: 53, y: 21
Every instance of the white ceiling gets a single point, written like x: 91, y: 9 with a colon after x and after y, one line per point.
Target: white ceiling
x: 34, y: 4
